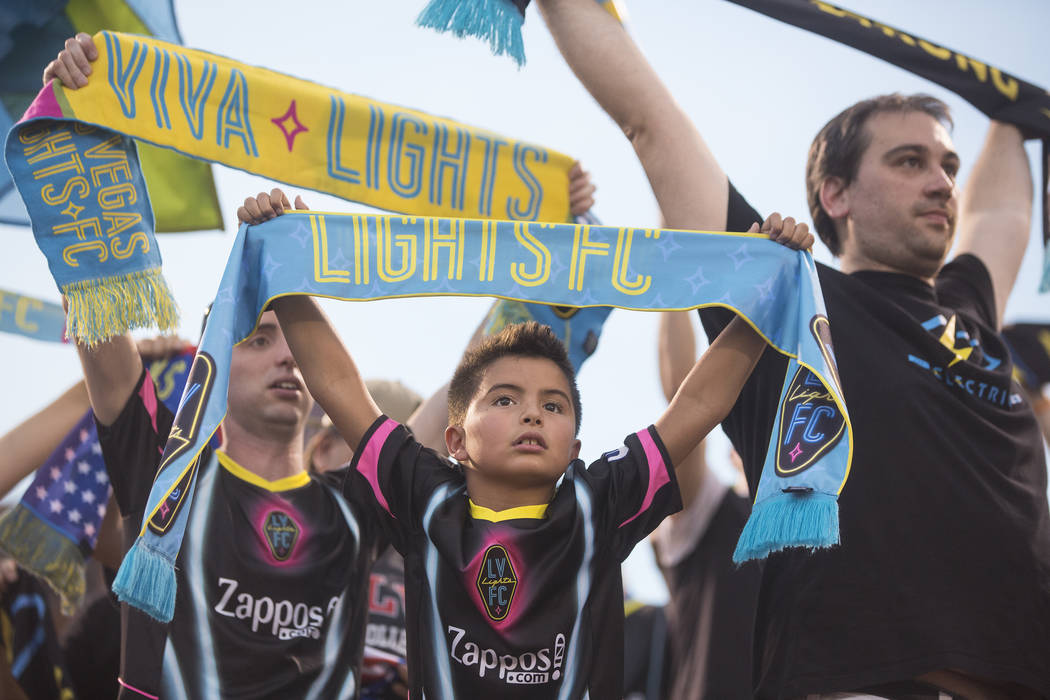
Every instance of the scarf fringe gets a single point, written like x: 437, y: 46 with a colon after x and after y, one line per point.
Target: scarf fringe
x: 146, y: 580
x: 809, y: 520
x: 45, y: 552
x: 102, y: 308
x: 496, y: 21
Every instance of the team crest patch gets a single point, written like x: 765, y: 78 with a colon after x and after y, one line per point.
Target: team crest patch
x: 281, y: 533
x: 810, y: 424
x: 497, y: 582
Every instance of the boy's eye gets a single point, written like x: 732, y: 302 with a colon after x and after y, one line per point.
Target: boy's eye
x: 553, y: 407
x: 912, y: 162
x: 503, y: 401
x: 259, y: 341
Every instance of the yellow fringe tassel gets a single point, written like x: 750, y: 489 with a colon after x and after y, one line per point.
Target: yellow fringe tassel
x: 102, y: 308
x: 40, y: 549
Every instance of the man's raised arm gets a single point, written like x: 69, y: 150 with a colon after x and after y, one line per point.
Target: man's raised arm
x: 689, y: 185
x: 995, y: 213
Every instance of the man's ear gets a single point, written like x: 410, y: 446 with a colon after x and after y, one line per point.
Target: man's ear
x: 455, y: 443
x: 834, y: 197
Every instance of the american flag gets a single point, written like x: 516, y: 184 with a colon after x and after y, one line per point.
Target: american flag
x: 71, y: 489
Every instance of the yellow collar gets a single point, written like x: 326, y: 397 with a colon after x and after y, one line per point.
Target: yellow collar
x: 285, y: 483
x: 519, y: 513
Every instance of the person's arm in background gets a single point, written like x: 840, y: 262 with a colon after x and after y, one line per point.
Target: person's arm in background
x: 995, y: 209
x: 677, y: 354
x: 688, y: 182
x: 26, y: 446
x: 1041, y: 407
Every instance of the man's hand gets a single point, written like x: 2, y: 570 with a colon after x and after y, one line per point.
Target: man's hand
x: 267, y: 206
x: 786, y: 232
x: 73, y: 64
x: 581, y: 191
x: 161, y: 347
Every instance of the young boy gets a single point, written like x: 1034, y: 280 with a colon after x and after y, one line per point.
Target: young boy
x: 512, y: 558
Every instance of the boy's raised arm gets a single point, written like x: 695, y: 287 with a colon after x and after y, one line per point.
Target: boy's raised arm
x: 330, y: 373
x: 711, y: 388
x: 689, y: 185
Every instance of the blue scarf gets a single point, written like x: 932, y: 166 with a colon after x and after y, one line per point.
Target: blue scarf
x: 33, y: 318
x: 354, y: 258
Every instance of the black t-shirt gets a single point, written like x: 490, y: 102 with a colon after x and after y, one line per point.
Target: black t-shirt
x: 646, y: 658
x: 272, y: 576
x: 945, y: 554
x: 524, y: 603
x: 711, y: 612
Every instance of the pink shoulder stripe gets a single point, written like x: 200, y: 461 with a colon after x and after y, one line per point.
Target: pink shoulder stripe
x: 368, y: 464
x: 658, y: 476
x: 148, y: 395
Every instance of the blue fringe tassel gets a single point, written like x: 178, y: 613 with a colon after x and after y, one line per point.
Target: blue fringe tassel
x: 146, y: 580
x: 496, y: 21
x: 808, y: 520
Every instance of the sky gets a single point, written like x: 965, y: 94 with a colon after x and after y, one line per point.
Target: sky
x: 757, y: 89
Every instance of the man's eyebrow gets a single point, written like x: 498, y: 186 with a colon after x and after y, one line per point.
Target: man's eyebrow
x: 905, y: 148
x: 267, y: 327
x: 916, y: 148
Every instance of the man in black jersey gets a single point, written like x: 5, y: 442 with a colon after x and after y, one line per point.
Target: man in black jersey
x: 273, y: 572
x: 941, y: 585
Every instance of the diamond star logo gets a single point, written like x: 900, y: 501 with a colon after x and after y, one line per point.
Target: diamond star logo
x: 282, y: 123
x: 73, y: 211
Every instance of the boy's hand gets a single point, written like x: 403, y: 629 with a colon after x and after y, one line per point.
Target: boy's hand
x: 581, y: 191
x: 73, y: 64
x: 785, y: 232
x: 267, y: 206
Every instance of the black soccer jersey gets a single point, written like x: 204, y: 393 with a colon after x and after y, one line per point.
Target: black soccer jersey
x: 522, y: 603
x: 272, y: 576
x: 945, y: 527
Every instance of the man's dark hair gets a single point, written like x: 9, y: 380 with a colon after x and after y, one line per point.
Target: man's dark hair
x: 837, y: 149
x: 528, y: 339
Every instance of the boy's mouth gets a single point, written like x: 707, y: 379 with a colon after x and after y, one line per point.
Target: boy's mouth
x: 530, y: 441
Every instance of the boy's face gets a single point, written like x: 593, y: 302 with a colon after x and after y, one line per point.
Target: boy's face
x: 518, y: 432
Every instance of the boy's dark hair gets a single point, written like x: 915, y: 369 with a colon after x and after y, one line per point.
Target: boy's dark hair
x: 529, y: 339
x: 837, y: 149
